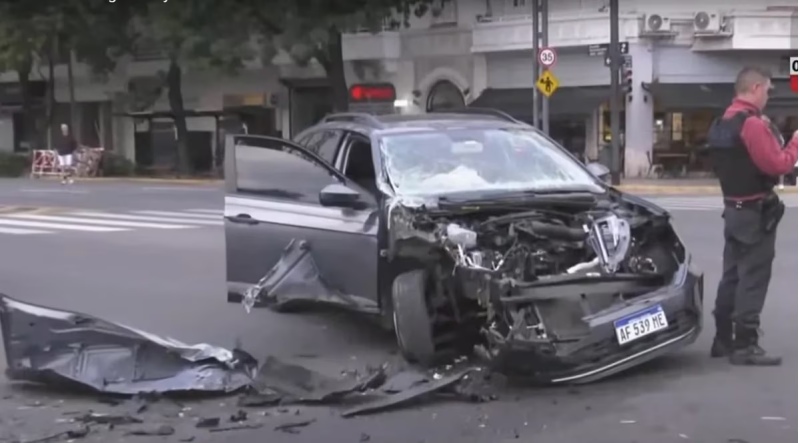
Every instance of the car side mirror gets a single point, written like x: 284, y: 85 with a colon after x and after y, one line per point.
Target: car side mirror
x: 338, y: 195
x: 599, y: 170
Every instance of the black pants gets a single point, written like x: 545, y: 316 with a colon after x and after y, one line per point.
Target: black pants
x: 746, y: 266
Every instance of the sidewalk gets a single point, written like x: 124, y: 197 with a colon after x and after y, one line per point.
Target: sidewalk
x: 681, y: 186
x: 637, y: 186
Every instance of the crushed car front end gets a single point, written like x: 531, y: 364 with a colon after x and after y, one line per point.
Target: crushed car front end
x: 566, y: 288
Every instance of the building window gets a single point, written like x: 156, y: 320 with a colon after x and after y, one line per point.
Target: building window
x: 444, y: 95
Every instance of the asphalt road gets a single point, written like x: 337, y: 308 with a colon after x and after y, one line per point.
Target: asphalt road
x: 172, y: 282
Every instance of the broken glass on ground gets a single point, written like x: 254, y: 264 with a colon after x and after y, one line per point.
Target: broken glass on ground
x: 61, y: 347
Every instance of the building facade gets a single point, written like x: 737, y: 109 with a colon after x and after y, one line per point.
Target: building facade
x: 682, y: 56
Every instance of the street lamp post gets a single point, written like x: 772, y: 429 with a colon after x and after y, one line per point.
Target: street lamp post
x: 615, y: 103
x: 535, y: 59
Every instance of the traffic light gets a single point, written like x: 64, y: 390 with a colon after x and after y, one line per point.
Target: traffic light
x: 627, y: 81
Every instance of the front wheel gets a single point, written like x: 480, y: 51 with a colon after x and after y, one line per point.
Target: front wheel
x: 413, y: 323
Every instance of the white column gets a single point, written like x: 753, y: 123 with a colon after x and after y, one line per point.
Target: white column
x: 639, y: 113
x: 592, y: 134
x: 479, y: 76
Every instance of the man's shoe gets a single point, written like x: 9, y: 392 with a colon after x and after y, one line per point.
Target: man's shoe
x: 747, y: 352
x: 721, y: 347
x: 754, y: 355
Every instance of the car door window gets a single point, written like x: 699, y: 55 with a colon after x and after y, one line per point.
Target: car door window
x: 358, y: 165
x: 281, y: 172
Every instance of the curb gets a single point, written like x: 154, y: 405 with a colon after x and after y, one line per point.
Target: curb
x: 171, y: 181
x: 702, y: 190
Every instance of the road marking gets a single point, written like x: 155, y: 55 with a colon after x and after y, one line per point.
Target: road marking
x: 54, y: 191
x: 219, y: 212
x: 34, y: 224
x: 129, y: 224
x: 19, y: 231
x: 179, y: 214
x: 145, y: 218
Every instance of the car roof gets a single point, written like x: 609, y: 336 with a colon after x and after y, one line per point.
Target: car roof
x: 367, y: 124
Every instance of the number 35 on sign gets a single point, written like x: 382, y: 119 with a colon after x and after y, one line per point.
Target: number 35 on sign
x: 793, y: 73
x: 547, y: 57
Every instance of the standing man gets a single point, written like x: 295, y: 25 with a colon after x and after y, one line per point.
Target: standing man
x: 748, y: 159
x: 66, y: 147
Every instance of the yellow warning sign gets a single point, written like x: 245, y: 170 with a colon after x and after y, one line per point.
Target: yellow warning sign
x: 547, y: 83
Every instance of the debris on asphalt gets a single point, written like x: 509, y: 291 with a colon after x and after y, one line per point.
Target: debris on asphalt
x: 152, y: 430
x: 210, y: 422
x: 299, y: 384
x: 239, y: 416
x: 257, y: 400
x: 292, y: 427
x: 70, y: 434
x: 413, y: 392
x: 238, y: 427
x: 60, y: 347
x: 107, y: 419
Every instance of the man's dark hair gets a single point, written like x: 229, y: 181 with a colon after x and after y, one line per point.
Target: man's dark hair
x: 750, y: 76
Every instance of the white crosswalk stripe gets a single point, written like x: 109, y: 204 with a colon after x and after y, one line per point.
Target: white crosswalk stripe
x: 24, y: 222
x: 704, y: 203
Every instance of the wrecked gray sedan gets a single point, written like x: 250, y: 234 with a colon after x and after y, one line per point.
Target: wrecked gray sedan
x: 463, y: 232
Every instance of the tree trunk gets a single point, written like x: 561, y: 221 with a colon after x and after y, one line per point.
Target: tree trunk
x: 51, y: 91
x: 28, y: 120
x: 334, y: 68
x: 73, y: 117
x: 176, y: 106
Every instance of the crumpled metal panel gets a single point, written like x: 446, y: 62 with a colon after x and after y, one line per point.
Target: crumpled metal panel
x: 49, y: 345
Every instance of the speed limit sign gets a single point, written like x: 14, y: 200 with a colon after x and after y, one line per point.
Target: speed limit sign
x: 547, y: 57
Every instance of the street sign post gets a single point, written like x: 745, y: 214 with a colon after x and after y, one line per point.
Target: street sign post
x: 548, y: 57
x: 602, y: 49
x: 547, y: 83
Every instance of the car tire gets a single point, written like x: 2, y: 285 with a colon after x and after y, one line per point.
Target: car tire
x: 411, y: 317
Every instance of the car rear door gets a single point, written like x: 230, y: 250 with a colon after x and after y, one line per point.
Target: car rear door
x: 272, y: 197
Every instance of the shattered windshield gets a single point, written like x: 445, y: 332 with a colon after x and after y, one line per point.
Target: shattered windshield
x: 439, y: 162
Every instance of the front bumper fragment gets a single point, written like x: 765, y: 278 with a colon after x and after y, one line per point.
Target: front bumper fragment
x: 594, y: 352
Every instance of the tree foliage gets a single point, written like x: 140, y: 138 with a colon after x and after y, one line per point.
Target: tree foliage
x: 312, y: 29
x: 205, y: 35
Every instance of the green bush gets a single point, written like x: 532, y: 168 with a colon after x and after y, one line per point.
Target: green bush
x: 115, y: 165
x: 14, y: 165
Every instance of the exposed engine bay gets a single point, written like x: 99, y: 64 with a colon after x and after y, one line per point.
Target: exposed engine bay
x: 536, y: 278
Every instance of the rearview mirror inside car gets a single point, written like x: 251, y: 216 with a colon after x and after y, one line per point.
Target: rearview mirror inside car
x: 599, y: 170
x: 338, y: 195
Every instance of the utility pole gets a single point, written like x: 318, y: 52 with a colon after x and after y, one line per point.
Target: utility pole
x: 535, y: 60
x: 613, y: 53
x: 545, y: 44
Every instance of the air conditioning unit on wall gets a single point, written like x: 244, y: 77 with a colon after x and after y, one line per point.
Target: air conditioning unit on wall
x: 707, y: 23
x: 656, y: 24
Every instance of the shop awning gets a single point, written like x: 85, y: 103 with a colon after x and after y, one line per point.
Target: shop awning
x: 578, y: 101
x: 689, y: 96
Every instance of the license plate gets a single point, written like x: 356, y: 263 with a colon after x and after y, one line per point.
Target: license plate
x: 640, y: 324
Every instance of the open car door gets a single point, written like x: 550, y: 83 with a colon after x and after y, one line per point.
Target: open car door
x: 296, y: 230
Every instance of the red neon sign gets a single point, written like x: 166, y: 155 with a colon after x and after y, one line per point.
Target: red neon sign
x: 372, y: 93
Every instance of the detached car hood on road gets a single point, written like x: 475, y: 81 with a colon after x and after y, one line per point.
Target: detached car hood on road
x: 48, y: 345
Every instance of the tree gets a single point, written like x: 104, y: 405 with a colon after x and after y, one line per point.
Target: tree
x: 312, y: 29
x: 32, y: 33
x: 19, y: 47
x: 93, y: 33
x: 200, y: 35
